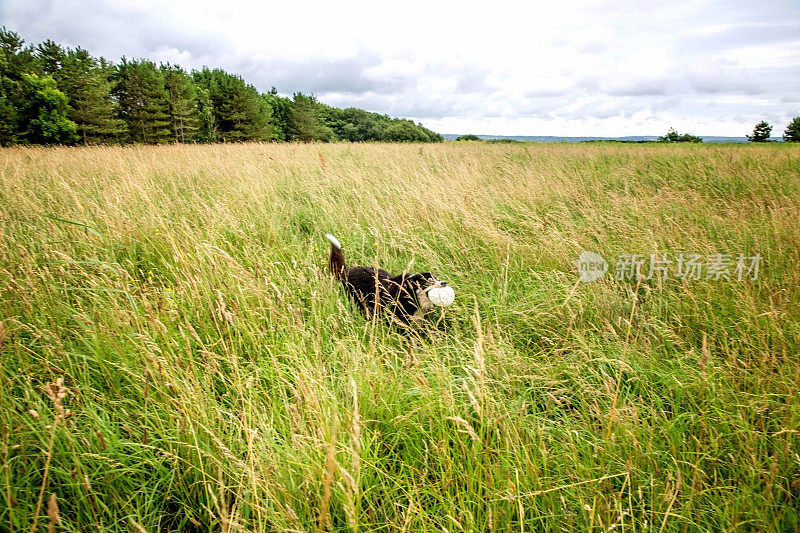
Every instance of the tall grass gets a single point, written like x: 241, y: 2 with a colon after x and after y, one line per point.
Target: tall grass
x: 174, y: 355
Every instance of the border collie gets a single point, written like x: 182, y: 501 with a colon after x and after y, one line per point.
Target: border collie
x: 403, y: 298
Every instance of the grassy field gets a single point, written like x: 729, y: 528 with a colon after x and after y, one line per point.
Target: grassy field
x: 175, y: 356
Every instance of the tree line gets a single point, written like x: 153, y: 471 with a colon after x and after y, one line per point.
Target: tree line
x: 761, y: 133
x: 763, y: 130
x: 50, y: 94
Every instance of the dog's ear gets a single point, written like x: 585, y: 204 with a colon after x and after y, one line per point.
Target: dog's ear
x: 405, y: 284
x: 425, y: 279
x: 420, y: 280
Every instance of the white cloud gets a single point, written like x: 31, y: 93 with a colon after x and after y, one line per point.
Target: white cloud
x: 584, y: 68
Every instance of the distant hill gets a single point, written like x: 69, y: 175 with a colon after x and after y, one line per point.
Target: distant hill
x: 552, y: 138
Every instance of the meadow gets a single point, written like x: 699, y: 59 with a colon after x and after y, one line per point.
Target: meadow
x: 174, y: 354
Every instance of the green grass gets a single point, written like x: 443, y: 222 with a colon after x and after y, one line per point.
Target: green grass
x: 217, y: 378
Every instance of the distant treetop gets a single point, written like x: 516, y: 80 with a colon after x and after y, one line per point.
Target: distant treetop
x: 674, y: 136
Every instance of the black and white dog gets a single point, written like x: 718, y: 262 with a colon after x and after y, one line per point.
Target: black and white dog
x: 403, y: 298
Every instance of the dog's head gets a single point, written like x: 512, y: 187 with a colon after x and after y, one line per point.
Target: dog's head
x: 422, y: 284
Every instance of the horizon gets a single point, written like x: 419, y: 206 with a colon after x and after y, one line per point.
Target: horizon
x: 491, y: 135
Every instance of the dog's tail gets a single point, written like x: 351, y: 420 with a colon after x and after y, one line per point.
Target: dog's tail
x: 336, y: 261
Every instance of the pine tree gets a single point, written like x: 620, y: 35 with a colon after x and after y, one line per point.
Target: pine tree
x: 240, y: 114
x: 217, y: 87
x: 280, y: 107
x: 50, y: 57
x: 305, y: 120
x: 182, y: 101
x: 207, y: 130
x: 792, y: 132
x: 761, y: 132
x: 260, y: 124
x: 8, y: 111
x: 85, y: 81
x: 142, y: 101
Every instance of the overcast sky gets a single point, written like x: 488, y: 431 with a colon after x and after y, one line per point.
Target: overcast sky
x: 580, y: 68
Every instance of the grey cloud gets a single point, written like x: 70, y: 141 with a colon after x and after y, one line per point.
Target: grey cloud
x: 588, y: 84
x: 547, y: 92
x: 592, y: 46
x: 704, y: 78
x: 113, y: 31
x: 742, y: 34
x: 346, y: 76
x: 614, y: 84
x: 402, y: 105
x: 602, y: 107
x: 535, y: 107
x: 420, y: 108
x: 715, y: 78
x: 713, y: 85
x: 654, y: 87
x: 108, y: 30
x: 473, y: 81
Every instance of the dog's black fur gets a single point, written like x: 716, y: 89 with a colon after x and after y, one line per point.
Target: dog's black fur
x: 401, y: 298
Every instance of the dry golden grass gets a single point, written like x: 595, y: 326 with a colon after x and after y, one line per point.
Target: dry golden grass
x: 217, y: 378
